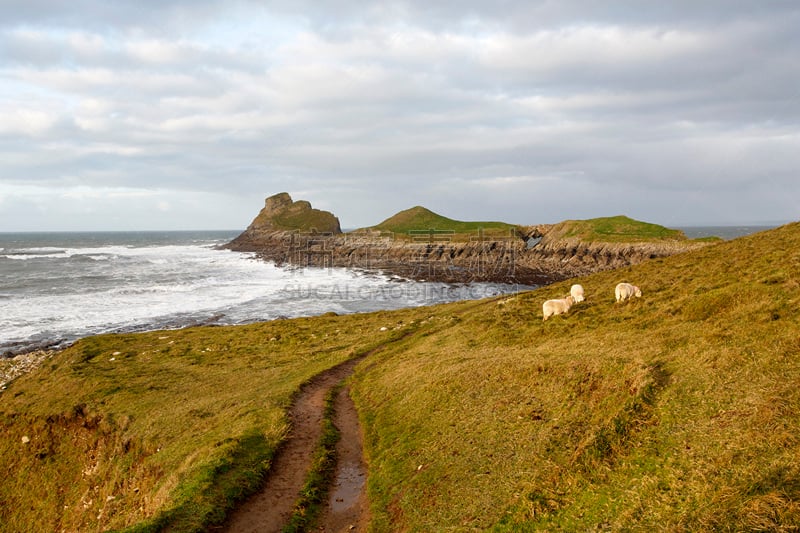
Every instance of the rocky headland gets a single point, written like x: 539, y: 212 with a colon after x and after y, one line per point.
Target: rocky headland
x: 421, y: 245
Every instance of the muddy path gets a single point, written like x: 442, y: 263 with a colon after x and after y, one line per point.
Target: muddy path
x: 271, y: 508
x: 347, y: 508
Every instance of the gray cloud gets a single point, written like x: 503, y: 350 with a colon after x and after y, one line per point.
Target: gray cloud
x: 675, y: 113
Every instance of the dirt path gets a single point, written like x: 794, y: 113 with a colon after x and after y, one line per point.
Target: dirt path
x: 347, y: 508
x: 270, y: 509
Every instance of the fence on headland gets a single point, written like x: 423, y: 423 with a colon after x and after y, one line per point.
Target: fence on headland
x: 431, y: 235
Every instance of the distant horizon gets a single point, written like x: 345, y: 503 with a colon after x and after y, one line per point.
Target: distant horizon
x: 763, y: 224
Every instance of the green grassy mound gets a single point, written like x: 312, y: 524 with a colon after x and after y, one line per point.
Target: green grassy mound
x: 420, y: 219
x: 614, y: 229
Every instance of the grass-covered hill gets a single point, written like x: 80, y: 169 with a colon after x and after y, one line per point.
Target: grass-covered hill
x: 613, y: 229
x: 421, y: 219
x: 677, y: 411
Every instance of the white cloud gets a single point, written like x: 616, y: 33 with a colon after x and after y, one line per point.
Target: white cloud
x: 530, y: 100
x: 158, y: 51
x: 81, y: 193
x: 591, y: 47
x: 29, y: 122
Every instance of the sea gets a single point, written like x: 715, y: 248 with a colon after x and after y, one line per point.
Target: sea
x: 58, y: 287
x: 724, y: 232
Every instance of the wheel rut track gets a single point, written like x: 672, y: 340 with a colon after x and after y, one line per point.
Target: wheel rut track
x: 270, y: 509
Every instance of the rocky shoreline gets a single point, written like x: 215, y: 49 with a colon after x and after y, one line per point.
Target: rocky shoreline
x: 500, y: 261
x: 488, y: 260
x: 529, y: 255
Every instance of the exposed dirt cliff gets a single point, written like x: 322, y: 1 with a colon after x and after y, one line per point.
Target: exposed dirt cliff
x: 534, y: 255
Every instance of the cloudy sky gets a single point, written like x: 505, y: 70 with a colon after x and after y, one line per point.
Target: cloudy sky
x: 186, y: 114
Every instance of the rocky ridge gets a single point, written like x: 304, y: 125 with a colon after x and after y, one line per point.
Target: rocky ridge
x: 531, y: 255
x: 567, y: 258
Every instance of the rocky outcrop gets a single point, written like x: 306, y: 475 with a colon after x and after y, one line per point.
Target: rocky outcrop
x: 280, y: 216
x: 533, y: 255
x: 569, y: 258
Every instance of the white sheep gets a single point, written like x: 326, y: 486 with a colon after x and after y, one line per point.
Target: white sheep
x: 623, y: 291
x: 556, y: 307
x: 576, y: 291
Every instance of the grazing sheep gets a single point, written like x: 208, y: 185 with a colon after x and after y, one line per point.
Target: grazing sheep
x: 556, y: 307
x: 623, y: 291
x: 576, y: 291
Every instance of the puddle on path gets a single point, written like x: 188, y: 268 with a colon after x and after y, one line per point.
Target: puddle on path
x: 347, y: 487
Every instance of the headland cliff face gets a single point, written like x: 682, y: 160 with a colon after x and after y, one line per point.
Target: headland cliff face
x: 293, y: 233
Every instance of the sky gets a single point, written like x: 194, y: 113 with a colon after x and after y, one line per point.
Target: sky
x: 187, y: 114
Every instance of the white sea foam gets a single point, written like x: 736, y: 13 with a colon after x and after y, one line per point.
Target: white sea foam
x: 64, y: 293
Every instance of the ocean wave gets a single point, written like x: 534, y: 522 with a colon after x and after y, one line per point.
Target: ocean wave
x: 118, y: 287
x: 38, y: 250
x: 20, y: 256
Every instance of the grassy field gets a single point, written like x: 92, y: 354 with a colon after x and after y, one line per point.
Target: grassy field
x: 677, y: 411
